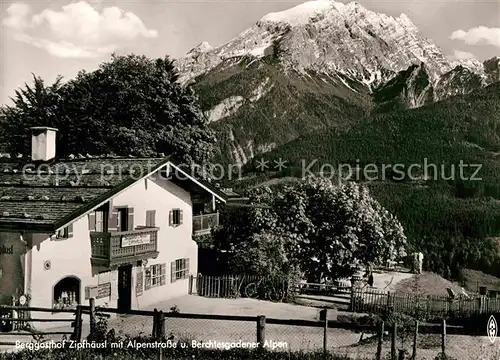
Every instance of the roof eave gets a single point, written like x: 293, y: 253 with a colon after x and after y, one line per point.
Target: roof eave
x: 101, y: 200
x: 203, y: 184
x: 27, y: 227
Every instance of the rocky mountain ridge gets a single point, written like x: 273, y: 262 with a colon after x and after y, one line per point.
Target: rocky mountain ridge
x: 413, y: 88
x: 298, y: 70
x: 330, y: 36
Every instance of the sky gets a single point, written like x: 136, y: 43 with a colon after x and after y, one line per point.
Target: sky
x: 62, y: 37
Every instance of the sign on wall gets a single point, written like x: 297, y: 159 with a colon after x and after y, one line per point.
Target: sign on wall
x: 139, y: 285
x: 98, y: 292
x: 12, y: 259
x: 134, y: 240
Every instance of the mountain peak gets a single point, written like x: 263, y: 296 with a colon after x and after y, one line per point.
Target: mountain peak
x: 471, y: 64
x: 329, y: 36
x: 301, y: 14
x: 201, y: 47
x: 406, y: 21
x: 403, y: 17
x: 492, y: 69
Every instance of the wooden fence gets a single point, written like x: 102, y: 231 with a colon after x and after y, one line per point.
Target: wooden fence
x: 234, y: 286
x: 159, y: 327
x: 23, y: 326
x: 370, y: 301
x: 362, y: 300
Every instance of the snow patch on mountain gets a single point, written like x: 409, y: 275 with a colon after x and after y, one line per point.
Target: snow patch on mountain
x: 301, y: 14
x: 261, y: 90
x: 259, y: 51
x: 230, y: 105
x: 473, y: 65
x: 202, y: 47
x: 345, y: 83
x: 226, y: 108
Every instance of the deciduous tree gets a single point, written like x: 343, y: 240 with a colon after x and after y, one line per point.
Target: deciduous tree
x: 316, y: 226
x: 129, y: 105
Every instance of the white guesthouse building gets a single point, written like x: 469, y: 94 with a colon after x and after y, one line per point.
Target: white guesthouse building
x: 119, y: 230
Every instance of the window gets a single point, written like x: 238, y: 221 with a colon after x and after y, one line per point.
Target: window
x: 122, y: 219
x: 175, y: 217
x: 98, y: 221
x: 64, y: 233
x: 180, y: 269
x: 101, y: 221
x: 156, y: 276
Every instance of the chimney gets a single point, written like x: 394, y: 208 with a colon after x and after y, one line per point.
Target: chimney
x: 43, y: 143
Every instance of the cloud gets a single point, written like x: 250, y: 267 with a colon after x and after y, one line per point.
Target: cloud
x: 478, y: 35
x: 77, y: 30
x: 17, y: 16
x: 462, y: 55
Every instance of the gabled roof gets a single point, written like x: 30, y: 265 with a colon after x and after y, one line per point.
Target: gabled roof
x: 44, y: 197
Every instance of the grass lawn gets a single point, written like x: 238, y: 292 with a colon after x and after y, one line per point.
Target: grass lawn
x: 474, y: 279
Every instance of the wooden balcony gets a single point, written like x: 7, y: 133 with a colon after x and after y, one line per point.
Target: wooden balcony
x: 117, y: 248
x: 203, y: 224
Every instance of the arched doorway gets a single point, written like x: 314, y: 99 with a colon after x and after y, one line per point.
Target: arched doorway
x: 67, y: 292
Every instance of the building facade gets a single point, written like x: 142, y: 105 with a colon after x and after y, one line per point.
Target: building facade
x: 119, y: 230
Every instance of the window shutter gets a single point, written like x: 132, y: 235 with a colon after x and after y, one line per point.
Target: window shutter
x: 150, y: 218
x: 172, y: 272
x: 187, y: 266
x: 113, y: 220
x: 87, y: 292
x: 147, y: 283
x: 153, y: 218
x: 92, y: 222
x: 130, y: 221
x: 70, y: 231
x: 163, y: 272
x: 170, y: 217
x: 180, y: 217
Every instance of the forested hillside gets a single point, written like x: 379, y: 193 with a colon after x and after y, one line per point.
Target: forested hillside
x: 452, y: 218
x: 254, y: 106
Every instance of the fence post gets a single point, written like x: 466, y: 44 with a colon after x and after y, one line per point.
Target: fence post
x: 415, y: 338
x: 161, y: 325
x: 352, y: 305
x: 92, y: 315
x: 402, y: 354
x: 443, y: 338
x: 324, y: 316
x: 160, y: 331
x: 380, y: 340
x: 261, y: 330
x: 190, y: 290
x: 393, y: 340
x: 155, y: 324
x: 77, y: 334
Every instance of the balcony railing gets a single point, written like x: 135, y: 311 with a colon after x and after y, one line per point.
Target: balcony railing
x: 203, y: 224
x: 123, y: 247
